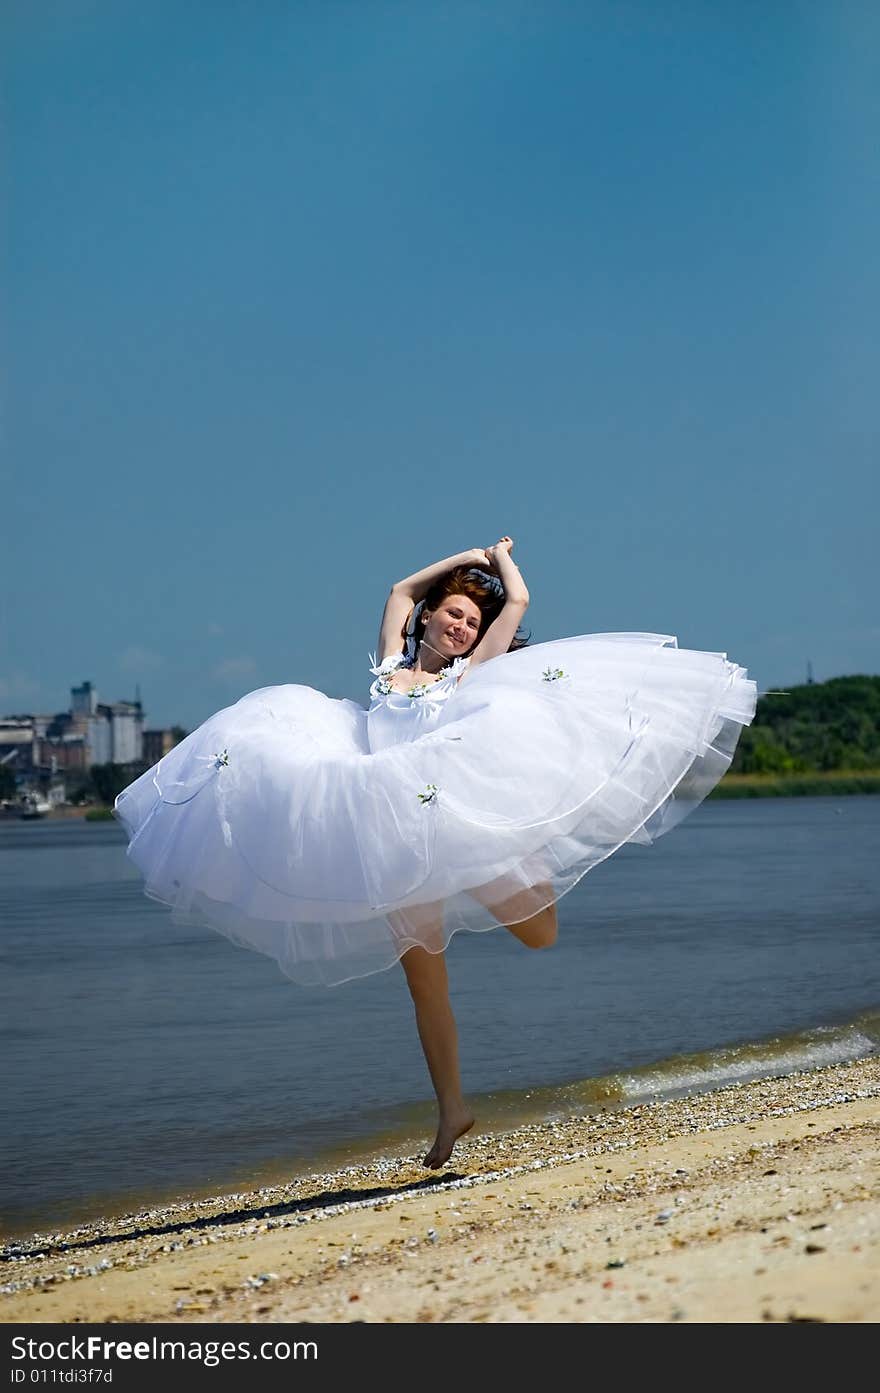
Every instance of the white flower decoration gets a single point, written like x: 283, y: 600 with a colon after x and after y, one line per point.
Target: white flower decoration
x: 221, y: 760
x: 430, y: 794
x: 455, y: 668
x: 553, y: 674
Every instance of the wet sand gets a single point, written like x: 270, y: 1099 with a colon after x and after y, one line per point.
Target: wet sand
x: 758, y: 1202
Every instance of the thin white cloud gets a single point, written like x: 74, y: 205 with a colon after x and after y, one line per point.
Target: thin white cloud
x: 136, y: 659
x: 17, y: 686
x: 234, y: 669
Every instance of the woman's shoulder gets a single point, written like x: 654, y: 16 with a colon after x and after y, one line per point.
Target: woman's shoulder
x: 389, y: 664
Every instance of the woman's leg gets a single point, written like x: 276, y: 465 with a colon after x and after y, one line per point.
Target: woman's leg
x: 525, y: 913
x: 429, y: 987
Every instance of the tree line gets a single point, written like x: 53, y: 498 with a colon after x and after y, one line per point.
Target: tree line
x: 819, y: 726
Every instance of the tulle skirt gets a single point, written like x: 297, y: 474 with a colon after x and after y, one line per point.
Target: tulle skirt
x: 275, y: 824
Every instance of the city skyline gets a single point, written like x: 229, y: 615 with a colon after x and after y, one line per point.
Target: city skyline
x: 42, y: 749
x: 808, y: 677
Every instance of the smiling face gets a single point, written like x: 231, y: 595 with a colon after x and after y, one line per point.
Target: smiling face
x: 454, y: 626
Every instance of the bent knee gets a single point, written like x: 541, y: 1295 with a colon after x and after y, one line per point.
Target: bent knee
x: 545, y: 939
x: 540, y: 932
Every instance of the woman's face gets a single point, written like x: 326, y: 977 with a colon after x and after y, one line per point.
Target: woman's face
x: 453, y: 628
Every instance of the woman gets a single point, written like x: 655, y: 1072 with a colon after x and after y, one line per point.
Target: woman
x: 482, y: 783
x: 464, y: 619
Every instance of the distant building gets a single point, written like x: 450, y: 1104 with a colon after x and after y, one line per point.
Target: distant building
x: 83, y: 700
x: 18, y: 744
x: 63, y: 745
x: 156, y: 744
x: 126, y: 721
x: 98, y: 734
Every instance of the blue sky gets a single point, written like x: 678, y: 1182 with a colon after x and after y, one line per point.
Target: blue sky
x: 303, y: 296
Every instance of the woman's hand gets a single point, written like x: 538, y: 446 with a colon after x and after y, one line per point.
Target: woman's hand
x: 504, y: 545
x: 477, y: 556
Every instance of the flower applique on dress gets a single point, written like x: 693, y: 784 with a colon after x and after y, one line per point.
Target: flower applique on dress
x: 455, y: 668
x: 383, y: 672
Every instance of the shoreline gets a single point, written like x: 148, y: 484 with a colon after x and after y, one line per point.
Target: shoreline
x: 834, y: 783
x: 756, y: 1201
x: 846, y: 1041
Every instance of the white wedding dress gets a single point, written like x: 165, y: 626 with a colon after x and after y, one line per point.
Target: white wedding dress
x: 333, y: 838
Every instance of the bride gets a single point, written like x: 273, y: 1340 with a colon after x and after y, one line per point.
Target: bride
x: 484, y: 779
x: 452, y: 624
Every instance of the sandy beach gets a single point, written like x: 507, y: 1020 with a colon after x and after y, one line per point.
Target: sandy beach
x: 759, y: 1202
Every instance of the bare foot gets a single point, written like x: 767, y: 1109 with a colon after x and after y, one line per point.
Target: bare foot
x: 451, y: 1128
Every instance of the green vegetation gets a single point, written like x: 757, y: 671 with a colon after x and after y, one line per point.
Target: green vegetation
x: 108, y: 780
x: 816, y: 728
x: 821, y: 738
x: 99, y: 815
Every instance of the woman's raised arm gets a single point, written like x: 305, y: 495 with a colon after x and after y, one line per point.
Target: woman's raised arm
x: 502, y: 631
x: 405, y: 595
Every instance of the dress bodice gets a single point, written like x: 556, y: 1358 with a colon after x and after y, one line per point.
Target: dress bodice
x: 396, y: 717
